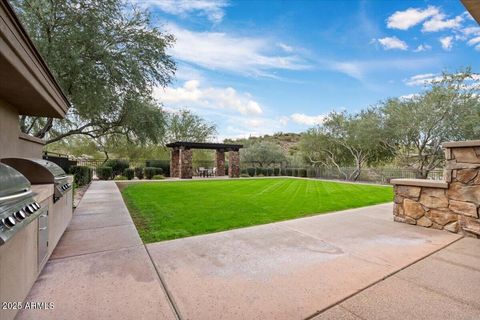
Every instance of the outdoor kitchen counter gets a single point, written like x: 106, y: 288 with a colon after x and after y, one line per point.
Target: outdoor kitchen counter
x: 42, y: 191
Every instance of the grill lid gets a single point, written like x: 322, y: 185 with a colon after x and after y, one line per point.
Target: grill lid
x: 36, y: 170
x: 54, y: 168
x: 12, y: 181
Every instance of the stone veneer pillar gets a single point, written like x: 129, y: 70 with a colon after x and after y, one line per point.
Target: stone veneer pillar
x: 233, y: 164
x: 452, y: 204
x: 186, y: 171
x: 174, y: 163
x: 220, y: 162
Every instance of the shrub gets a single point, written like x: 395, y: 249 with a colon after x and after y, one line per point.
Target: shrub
x: 151, y: 171
x: 118, y: 166
x: 104, y: 173
x: 302, y: 173
x: 261, y: 171
x: 138, y: 173
x: 276, y: 171
x: 129, y: 173
x: 82, y: 175
x: 158, y: 176
x: 311, y: 172
x: 163, y: 164
x: 289, y: 172
x: 260, y: 175
x: 295, y: 172
x: 120, y: 178
x: 244, y: 175
x: 269, y: 172
x: 251, y: 172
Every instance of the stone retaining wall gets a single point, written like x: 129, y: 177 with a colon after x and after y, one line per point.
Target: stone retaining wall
x: 452, y: 204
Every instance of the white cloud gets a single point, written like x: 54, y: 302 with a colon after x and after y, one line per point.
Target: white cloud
x: 472, y: 82
x: 284, y: 120
x: 353, y: 69
x: 285, y: 47
x: 408, y: 96
x: 390, y: 43
x: 471, y: 31
x: 438, y: 23
x: 304, y: 119
x: 446, y: 42
x: 212, y: 9
x: 222, y: 51
x: 404, y: 20
x: 192, y: 94
x: 421, y: 79
x: 422, y: 47
x: 474, y: 42
x: 360, y: 70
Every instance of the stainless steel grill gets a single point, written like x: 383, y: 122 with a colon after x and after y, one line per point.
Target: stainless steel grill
x: 17, y: 206
x: 39, y: 171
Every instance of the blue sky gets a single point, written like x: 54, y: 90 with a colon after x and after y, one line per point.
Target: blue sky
x: 260, y: 67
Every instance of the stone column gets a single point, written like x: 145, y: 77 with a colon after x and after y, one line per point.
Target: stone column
x: 174, y: 162
x: 233, y: 164
x: 220, y: 162
x: 186, y: 164
x: 452, y: 204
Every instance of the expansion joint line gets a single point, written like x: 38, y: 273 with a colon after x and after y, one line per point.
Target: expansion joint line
x: 164, y: 286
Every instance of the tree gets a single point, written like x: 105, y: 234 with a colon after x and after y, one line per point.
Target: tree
x: 348, y: 140
x: 107, y: 58
x: 262, y: 153
x: 186, y: 126
x: 448, y: 110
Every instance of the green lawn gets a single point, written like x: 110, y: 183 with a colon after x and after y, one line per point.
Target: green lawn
x: 168, y: 210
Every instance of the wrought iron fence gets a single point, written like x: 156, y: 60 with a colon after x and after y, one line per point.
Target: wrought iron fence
x: 375, y: 175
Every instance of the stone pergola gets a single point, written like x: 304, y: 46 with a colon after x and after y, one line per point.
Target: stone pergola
x: 181, y: 158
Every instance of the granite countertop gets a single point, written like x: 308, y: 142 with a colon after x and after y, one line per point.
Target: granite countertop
x: 43, y: 191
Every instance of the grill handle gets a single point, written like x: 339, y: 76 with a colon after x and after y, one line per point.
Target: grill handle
x: 15, y: 196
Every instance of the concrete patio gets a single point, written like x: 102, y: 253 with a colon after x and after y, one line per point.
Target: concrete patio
x: 354, y: 264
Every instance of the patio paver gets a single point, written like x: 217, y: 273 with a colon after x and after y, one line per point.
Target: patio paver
x: 442, y: 286
x: 100, y: 271
x: 291, y: 269
x: 285, y: 270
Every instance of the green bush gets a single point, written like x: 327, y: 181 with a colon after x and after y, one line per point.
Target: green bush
x: 269, y: 172
x: 302, y: 173
x: 104, y: 173
x: 82, y: 175
x: 120, y: 178
x: 151, y: 171
x: 129, y: 173
x: 260, y: 175
x: 158, y: 176
x: 295, y: 172
x: 311, y: 172
x: 261, y: 171
x: 251, y: 172
x: 244, y: 175
x: 117, y: 165
x: 138, y: 173
x: 163, y: 164
x: 276, y: 171
x: 289, y: 172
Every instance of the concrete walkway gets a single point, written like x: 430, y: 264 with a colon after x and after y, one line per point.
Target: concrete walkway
x: 334, y: 263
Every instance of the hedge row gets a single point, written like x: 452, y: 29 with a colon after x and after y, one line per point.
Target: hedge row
x: 81, y: 175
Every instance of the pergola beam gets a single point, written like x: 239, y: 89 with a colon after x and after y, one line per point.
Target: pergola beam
x: 181, y: 158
